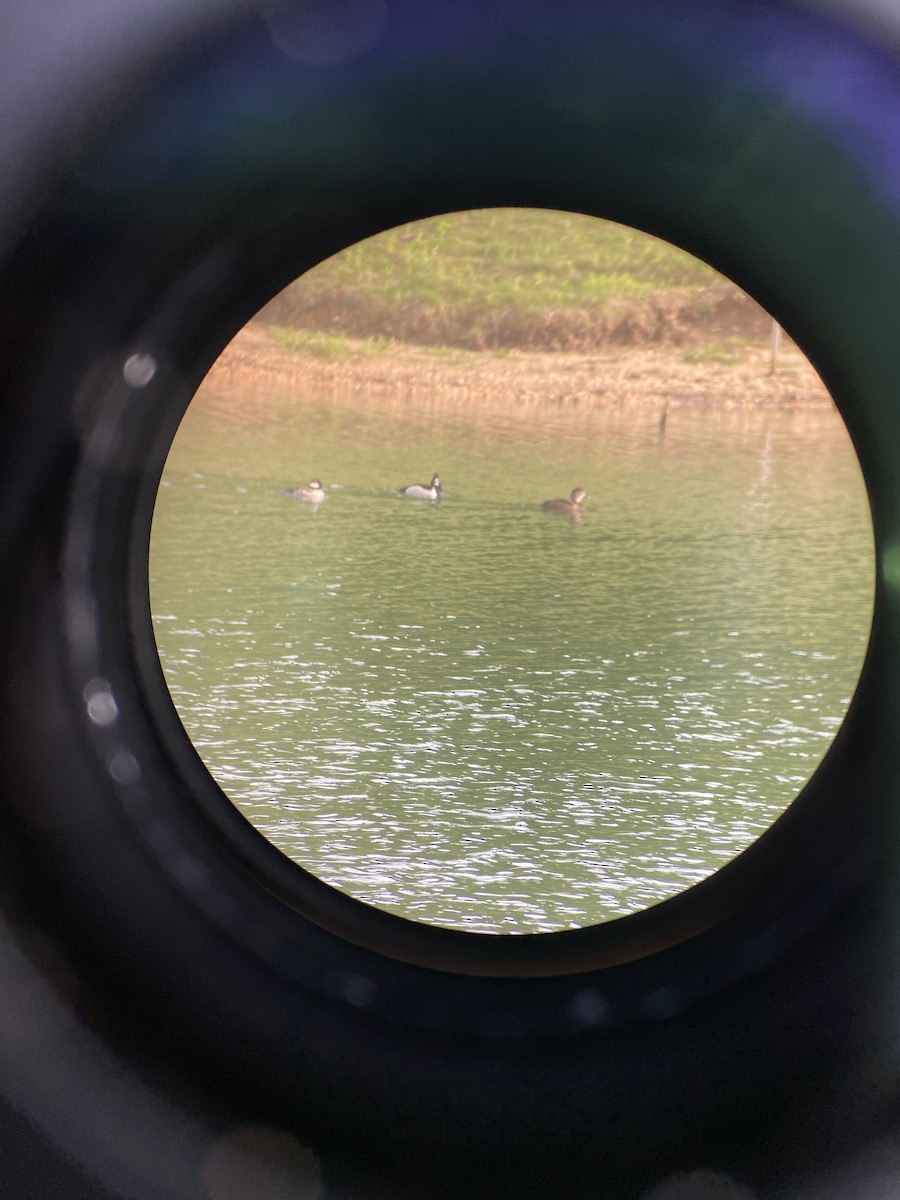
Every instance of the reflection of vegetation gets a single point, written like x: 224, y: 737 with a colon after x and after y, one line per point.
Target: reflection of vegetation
x: 495, y: 278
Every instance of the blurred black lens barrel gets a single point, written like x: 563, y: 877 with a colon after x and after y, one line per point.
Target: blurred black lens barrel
x: 181, y: 1014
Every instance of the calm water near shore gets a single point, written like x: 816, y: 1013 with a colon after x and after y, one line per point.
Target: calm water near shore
x: 485, y: 716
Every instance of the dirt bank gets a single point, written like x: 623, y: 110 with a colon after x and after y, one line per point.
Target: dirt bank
x: 730, y: 375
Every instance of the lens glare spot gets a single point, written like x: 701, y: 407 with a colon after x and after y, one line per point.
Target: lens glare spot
x: 259, y: 1161
x: 665, y: 1002
x: 589, y: 1007
x: 700, y: 1185
x: 124, y: 767
x: 139, y: 370
x: 101, y: 704
x: 890, y: 566
x: 359, y: 991
x: 326, y: 35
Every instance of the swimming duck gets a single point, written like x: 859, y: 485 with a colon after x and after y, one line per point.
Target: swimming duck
x: 313, y: 493
x: 421, y: 491
x: 573, y: 507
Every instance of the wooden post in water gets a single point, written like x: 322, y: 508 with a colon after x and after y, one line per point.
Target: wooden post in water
x: 774, y: 347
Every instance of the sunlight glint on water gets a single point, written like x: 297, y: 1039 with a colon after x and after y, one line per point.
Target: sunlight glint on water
x: 484, y: 716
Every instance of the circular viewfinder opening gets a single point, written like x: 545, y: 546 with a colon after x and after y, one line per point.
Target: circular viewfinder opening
x: 511, y: 571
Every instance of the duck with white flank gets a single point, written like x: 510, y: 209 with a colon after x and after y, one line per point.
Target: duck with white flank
x: 313, y: 493
x: 421, y: 491
x: 573, y: 507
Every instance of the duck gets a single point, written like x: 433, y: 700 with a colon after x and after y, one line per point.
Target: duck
x: 313, y: 493
x: 573, y: 507
x: 421, y: 491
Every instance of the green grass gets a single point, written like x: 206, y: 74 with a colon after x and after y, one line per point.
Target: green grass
x: 522, y: 258
x: 489, y: 277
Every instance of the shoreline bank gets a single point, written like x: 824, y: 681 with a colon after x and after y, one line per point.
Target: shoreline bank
x: 651, y: 377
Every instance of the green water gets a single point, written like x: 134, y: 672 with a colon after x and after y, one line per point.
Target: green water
x: 486, y: 716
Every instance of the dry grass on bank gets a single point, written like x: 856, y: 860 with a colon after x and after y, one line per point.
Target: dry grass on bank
x: 722, y: 374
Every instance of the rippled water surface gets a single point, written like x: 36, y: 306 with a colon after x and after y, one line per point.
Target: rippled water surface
x: 486, y: 716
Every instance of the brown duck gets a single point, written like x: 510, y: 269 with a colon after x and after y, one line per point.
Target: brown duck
x: 573, y: 507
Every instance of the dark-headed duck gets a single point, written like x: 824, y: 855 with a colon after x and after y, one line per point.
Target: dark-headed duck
x: 421, y: 491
